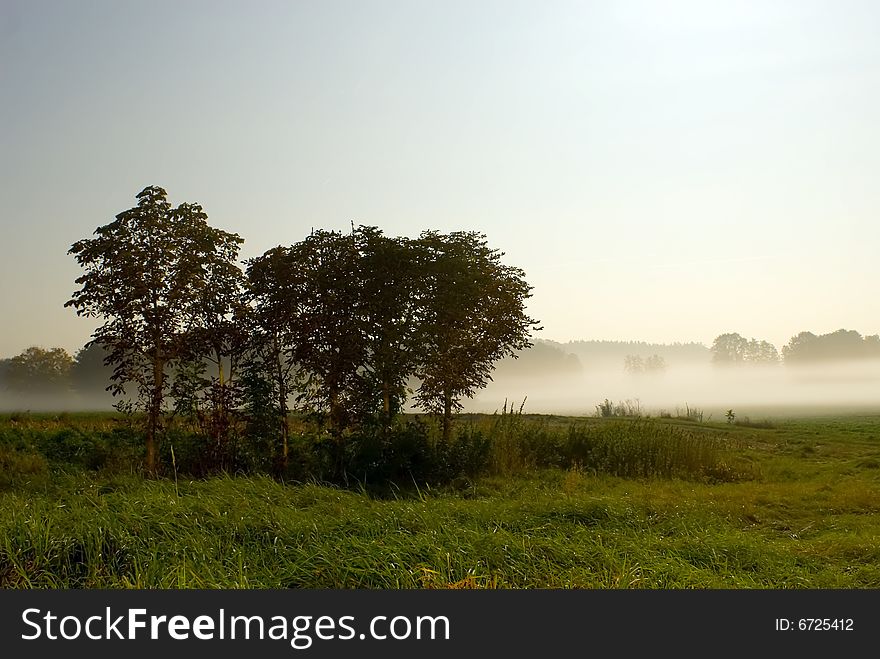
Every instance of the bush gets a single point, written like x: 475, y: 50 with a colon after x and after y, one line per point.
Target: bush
x: 406, y: 454
x: 627, y: 408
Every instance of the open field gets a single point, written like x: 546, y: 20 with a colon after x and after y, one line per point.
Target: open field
x: 616, y: 503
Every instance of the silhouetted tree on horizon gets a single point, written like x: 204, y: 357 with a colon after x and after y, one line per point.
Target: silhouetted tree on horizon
x: 731, y: 349
x: 806, y: 347
x: 37, y: 378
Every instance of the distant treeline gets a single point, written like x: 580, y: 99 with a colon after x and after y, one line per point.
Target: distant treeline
x: 41, y: 379
x: 544, y: 358
x: 804, y: 348
x: 602, y: 354
x: 843, y: 344
x: 728, y: 349
x: 51, y: 379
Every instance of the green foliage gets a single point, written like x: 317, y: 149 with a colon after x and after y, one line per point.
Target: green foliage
x: 632, y: 448
x: 378, y: 457
x: 152, y: 275
x: 346, y: 320
x: 16, y: 463
x: 628, y: 408
x: 808, y: 521
x: 340, y: 323
x: 475, y: 315
x: 65, y: 443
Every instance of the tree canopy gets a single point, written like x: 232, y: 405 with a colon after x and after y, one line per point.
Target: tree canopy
x: 362, y: 314
x: 474, y: 314
x: 341, y: 324
x: 806, y: 347
x: 731, y: 349
x: 148, y: 276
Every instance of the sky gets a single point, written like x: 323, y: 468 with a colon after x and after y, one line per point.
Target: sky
x: 661, y: 171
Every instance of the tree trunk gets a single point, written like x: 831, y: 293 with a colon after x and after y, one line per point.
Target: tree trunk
x: 282, y: 412
x: 153, y: 413
x: 447, y: 415
x: 335, y: 412
x: 386, y: 401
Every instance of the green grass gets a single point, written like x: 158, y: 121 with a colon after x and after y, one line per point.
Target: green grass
x: 797, y: 508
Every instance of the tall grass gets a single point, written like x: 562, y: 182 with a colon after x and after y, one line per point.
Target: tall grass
x: 594, y: 503
x: 410, y: 454
x: 547, y: 529
x: 630, y: 448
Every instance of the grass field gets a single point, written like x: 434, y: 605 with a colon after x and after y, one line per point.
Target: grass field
x: 660, y: 503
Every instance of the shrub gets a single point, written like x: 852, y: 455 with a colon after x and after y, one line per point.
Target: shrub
x: 408, y: 453
x: 627, y: 408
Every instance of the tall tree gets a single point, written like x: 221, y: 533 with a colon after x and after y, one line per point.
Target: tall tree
x: 309, y: 298
x: 207, y: 384
x: 271, y: 373
x: 474, y: 314
x: 392, y: 310
x: 144, y: 273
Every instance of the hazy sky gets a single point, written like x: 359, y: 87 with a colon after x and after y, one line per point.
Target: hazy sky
x: 661, y: 170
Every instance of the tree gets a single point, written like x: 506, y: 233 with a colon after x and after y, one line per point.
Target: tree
x: 732, y: 349
x: 90, y: 374
x: 841, y: 344
x: 354, y: 317
x: 392, y: 309
x: 761, y: 352
x: 728, y: 349
x: 207, y: 386
x: 38, y: 371
x: 145, y: 275
x: 308, y: 300
x: 474, y: 314
x: 270, y: 373
x: 655, y: 364
x: 634, y: 364
x: 799, y: 347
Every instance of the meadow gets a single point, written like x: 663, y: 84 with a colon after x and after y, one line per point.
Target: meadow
x: 548, y: 502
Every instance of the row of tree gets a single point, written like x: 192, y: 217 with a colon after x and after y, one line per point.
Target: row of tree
x: 732, y: 349
x: 336, y: 325
x: 51, y: 379
x: 804, y: 348
x: 807, y: 347
x: 38, y: 371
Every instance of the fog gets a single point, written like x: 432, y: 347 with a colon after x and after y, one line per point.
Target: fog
x: 56, y: 402
x: 755, y: 391
x: 750, y: 391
